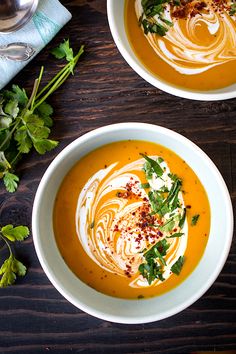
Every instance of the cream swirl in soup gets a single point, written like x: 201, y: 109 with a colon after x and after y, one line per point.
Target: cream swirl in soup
x: 197, y: 43
x: 116, y: 225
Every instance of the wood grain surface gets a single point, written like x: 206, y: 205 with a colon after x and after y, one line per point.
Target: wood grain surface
x: 34, y: 317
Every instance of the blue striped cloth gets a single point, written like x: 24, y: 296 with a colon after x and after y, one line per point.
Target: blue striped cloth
x: 49, y: 18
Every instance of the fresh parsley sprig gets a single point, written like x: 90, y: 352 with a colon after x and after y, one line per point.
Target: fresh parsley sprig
x: 11, y: 268
x: 25, y: 122
x: 177, y: 266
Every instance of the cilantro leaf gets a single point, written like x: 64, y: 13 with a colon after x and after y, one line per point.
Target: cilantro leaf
x: 182, y: 220
x: 18, y: 233
x: 12, y: 108
x: 168, y: 226
x: 151, y: 27
x: 144, y: 185
x: 10, y: 268
x: 232, y: 10
x: 158, y: 251
x: 63, y: 51
x: 4, y: 164
x: 153, y: 11
x: 177, y: 266
x: 151, y: 269
x: 24, y: 142
x: 154, y: 165
x: 148, y: 170
x: 44, y: 111
x: 18, y: 95
x: 5, y: 122
x: 155, y: 200
x: 176, y: 234
x: 11, y: 181
x: 43, y: 145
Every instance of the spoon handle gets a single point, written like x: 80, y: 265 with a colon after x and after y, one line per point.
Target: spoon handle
x: 16, y: 51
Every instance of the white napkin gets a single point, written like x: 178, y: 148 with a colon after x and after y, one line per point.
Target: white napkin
x: 49, y: 18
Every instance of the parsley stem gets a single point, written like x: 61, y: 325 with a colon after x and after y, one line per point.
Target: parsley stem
x: 7, y: 243
x: 15, y: 158
x: 10, y: 134
x: 35, y: 89
x: 59, y: 79
x: 57, y: 84
x: 52, y: 81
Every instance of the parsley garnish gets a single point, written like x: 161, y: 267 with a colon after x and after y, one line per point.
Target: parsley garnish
x: 151, y: 269
x: 144, y: 185
x: 154, y: 27
x: 155, y: 167
x: 11, y: 266
x: 182, y: 220
x: 168, y: 226
x: 232, y: 10
x: 177, y: 266
x: 25, y: 122
x: 176, y: 234
x: 195, y: 219
x: 152, y: 8
x: 166, y: 205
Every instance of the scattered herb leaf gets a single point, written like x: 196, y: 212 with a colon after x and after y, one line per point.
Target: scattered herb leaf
x: 177, y: 266
x: 177, y: 234
x: 182, y: 220
x: 152, y: 15
x: 151, y: 269
x: 195, y: 219
x: 154, y: 165
x: 144, y: 185
x: 232, y: 10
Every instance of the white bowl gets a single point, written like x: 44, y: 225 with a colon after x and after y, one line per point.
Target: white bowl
x: 115, y: 12
x: 120, y: 310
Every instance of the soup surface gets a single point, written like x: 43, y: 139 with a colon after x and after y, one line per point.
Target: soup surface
x: 187, y: 43
x: 131, y: 219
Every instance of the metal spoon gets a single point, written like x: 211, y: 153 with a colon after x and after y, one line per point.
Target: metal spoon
x: 14, y: 14
x: 16, y: 51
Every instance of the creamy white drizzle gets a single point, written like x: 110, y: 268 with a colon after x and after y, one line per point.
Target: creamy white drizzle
x: 181, y: 47
x: 100, y: 211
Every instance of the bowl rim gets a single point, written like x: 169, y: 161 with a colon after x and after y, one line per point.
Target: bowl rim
x: 141, y: 70
x: 50, y: 273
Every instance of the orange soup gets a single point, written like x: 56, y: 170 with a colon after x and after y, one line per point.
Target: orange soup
x: 190, y: 44
x: 131, y: 219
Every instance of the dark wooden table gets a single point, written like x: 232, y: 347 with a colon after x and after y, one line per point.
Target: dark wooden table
x: 34, y: 317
